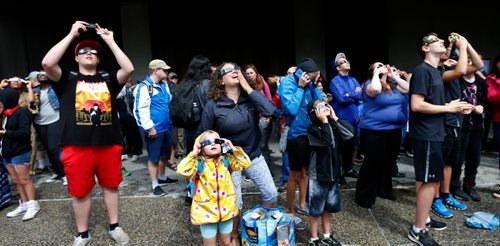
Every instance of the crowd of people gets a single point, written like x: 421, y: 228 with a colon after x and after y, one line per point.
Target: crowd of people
x: 88, y: 121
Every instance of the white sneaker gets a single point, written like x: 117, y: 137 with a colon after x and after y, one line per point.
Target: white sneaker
x: 65, y: 181
x: 79, y: 241
x: 32, y: 210
x: 134, y: 158
x: 124, y: 157
x: 52, y: 178
x: 119, y: 236
x: 20, y: 210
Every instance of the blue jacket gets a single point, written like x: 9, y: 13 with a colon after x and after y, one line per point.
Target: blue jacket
x: 292, y: 104
x: 53, y: 100
x: 345, y: 98
x: 152, y: 110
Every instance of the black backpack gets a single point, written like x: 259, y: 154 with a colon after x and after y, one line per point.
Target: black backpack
x: 185, y: 107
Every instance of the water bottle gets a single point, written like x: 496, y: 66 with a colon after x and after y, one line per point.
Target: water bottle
x: 196, y: 112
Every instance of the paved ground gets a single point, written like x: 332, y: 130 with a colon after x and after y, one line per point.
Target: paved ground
x: 151, y: 220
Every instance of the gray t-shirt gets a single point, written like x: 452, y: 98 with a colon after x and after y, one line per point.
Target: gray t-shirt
x: 47, y: 114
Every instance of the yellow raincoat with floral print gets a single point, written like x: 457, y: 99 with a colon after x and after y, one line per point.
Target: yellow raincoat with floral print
x: 214, y: 198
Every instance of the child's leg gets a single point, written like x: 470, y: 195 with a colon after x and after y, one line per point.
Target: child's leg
x: 314, y: 226
x: 225, y: 229
x: 325, y: 216
x: 209, y: 241
x: 209, y: 233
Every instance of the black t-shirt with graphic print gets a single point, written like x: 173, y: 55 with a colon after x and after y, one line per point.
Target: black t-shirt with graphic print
x: 88, y: 109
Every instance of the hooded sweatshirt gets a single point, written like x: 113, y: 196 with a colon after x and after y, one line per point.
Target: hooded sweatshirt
x: 17, y: 125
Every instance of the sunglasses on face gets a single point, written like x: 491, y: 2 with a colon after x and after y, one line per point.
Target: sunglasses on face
x: 211, y: 141
x: 379, y: 65
x: 227, y: 70
x: 342, y: 62
x: 431, y: 40
x: 85, y: 51
x: 319, y: 106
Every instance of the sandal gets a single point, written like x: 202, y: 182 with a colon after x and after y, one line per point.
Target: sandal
x: 172, y: 165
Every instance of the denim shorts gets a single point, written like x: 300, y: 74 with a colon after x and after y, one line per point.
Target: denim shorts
x: 259, y: 173
x: 22, y: 159
x: 210, y: 230
x: 323, y: 197
x: 158, y: 147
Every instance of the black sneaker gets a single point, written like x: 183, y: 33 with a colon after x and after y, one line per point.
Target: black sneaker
x: 158, y: 191
x: 313, y: 242
x: 473, y: 194
x: 167, y: 181
x: 422, y: 238
x: 460, y: 195
x: 435, y: 225
x: 330, y: 241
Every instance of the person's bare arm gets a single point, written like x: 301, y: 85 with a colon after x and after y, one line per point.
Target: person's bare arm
x: 126, y: 66
x: 418, y: 104
x: 50, y: 62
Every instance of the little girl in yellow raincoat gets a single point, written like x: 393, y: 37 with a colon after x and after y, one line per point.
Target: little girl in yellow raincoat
x: 214, y: 197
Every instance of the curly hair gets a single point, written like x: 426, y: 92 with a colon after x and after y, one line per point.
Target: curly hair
x: 216, y: 90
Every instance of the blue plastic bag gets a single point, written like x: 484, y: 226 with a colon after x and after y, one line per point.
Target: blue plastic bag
x: 258, y: 225
x: 484, y: 220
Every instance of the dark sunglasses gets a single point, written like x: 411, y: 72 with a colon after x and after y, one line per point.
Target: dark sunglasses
x: 85, y: 51
x: 211, y: 141
x: 227, y: 70
x: 379, y: 65
x: 342, y: 62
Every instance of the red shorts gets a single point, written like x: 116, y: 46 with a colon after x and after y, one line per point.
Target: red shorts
x: 83, y: 163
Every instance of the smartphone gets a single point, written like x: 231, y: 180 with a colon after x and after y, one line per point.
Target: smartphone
x: 225, y: 148
x: 299, y: 74
x: 91, y: 26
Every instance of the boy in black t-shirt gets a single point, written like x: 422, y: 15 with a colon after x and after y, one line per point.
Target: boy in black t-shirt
x: 428, y: 107
x: 91, y: 139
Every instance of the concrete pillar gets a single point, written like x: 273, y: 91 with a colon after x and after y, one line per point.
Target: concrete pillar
x: 310, y: 31
x: 136, y: 36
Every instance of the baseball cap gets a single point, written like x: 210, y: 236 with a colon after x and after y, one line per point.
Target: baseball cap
x: 32, y: 75
x: 172, y: 74
x: 337, y: 58
x: 88, y: 43
x: 157, y: 63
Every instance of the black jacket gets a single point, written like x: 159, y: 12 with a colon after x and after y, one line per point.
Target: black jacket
x: 325, y: 159
x: 238, y: 122
x: 17, y: 138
